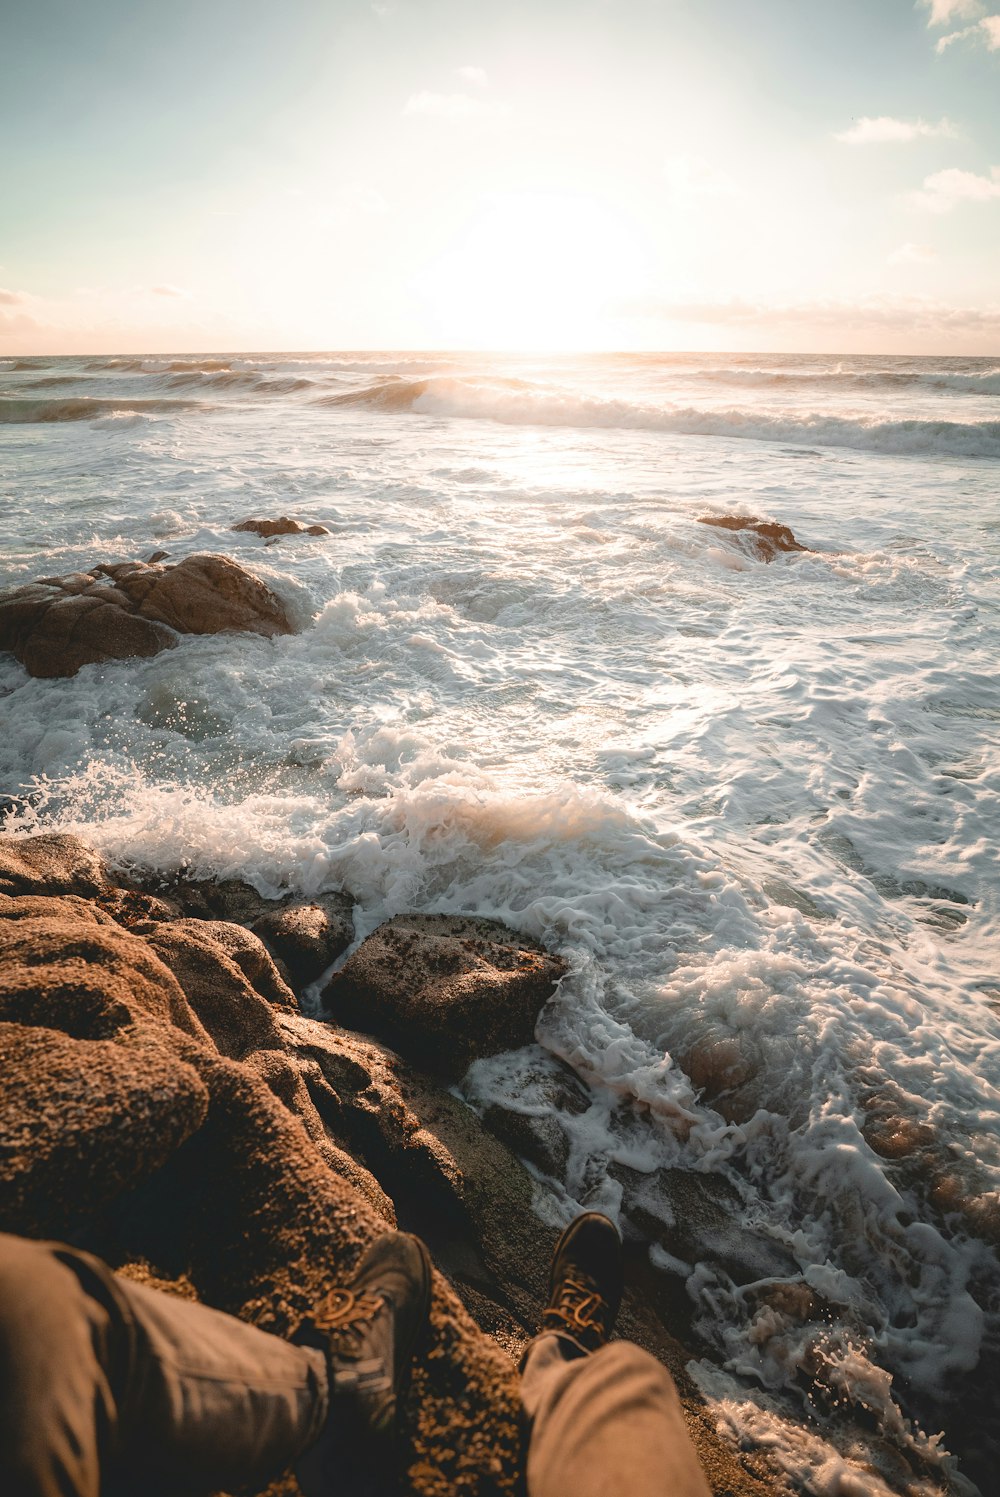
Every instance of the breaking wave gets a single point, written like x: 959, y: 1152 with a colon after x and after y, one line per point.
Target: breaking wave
x: 984, y: 382
x: 85, y: 408
x: 519, y: 403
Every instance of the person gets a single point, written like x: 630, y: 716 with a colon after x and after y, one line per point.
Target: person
x: 109, y: 1387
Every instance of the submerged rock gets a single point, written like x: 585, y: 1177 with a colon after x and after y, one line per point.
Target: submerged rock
x: 132, y: 609
x: 284, y: 526
x: 445, y: 989
x: 763, y: 539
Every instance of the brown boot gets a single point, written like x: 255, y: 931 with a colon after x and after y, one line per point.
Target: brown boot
x: 369, y: 1332
x: 585, y: 1282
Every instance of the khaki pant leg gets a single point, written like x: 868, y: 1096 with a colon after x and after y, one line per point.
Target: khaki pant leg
x: 605, y: 1424
x: 105, y: 1384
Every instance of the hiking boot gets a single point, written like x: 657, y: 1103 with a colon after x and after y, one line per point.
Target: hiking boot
x: 369, y: 1332
x: 585, y: 1282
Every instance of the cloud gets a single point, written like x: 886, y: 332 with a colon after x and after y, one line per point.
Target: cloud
x: 986, y: 30
x: 12, y: 298
x: 449, y: 106
x: 942, y: 191
x: 168, y: 290
x: 912, y: 254
x: 882, y: 128
x: 891, y: 314
x: 476, y: 76
x: 944, y: 11
x: 693, y: 176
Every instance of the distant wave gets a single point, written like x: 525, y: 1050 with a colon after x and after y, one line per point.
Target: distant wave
x: 516, y: 403
x: 156, y: 366
x: 986, y: 382
x: 84, y: 408
x: 237, y: 379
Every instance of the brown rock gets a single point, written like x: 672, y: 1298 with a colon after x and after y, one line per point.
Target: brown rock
x: 284, y: 526
x: 444, y: 988
x: 131, y: 609
x: 245, y: 1201
x: 50, y: 864
x: 308, y: 938
x: 83, y: 1120
x: 235, y: 1014
x: 89, y: 979
x: 762, y: 539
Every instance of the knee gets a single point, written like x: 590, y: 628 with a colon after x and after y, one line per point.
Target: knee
x: 637, y: 1375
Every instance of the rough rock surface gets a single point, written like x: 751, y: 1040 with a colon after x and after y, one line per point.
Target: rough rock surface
x: 763, y: 539
x: 308, y: 938
x: 81, y: 1121
x: 284, y: 526
x: 445, y: 989
x: 114, y: 612
x: 157, y: 1150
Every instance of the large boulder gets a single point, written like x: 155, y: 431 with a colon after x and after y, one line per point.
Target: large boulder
x: 445, y: 989
x: 761, y: 539
x: 115, y: 612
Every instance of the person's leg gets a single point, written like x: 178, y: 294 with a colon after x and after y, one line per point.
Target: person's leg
x: 604, y: 1417
x: 604, y: 1422
x: 101, y: 1379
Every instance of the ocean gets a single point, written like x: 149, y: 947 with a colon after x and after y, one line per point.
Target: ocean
x: 754, y: 805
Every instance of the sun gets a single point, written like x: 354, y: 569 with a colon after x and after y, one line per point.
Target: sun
x: 532, y: 271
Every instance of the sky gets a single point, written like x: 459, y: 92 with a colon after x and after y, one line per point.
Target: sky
x: 814, y: 175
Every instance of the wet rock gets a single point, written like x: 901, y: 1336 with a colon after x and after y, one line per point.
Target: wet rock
x: 700, y: 1217
x: 212, y: 899
x: 444, y: 988
x: 308, y: 938
x: 762, y: 539
x: 284, y: 526
x: 540, y: 1091
x: 132, y: 609
x: 83, y: 1120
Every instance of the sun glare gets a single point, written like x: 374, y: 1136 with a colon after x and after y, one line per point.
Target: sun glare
x: 532, y: 271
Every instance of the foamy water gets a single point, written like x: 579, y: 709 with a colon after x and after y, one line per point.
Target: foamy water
x: 754, y: 806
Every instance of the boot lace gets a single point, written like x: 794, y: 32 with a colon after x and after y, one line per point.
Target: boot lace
x: 343, y: 1319
x: 580, y: 1311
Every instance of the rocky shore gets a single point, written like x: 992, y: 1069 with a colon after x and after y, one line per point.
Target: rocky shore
x: 168, y: 1105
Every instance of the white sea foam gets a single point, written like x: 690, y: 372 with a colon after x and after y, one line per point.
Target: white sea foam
x: 753, y: 805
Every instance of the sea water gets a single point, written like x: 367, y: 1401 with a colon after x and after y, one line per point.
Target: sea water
x: 754, y: 805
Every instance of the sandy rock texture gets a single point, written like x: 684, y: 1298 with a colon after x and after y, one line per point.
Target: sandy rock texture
x: 761, y: 539
x: 444, y: 988
x: 158, y: 1148
x: 114, y: 612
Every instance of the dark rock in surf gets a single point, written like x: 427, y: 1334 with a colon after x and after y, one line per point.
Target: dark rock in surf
x: 445, y: 989
x: 284, y: 526
x: 764, y: 538
x: 308, y: 938
x: 131, y: 610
